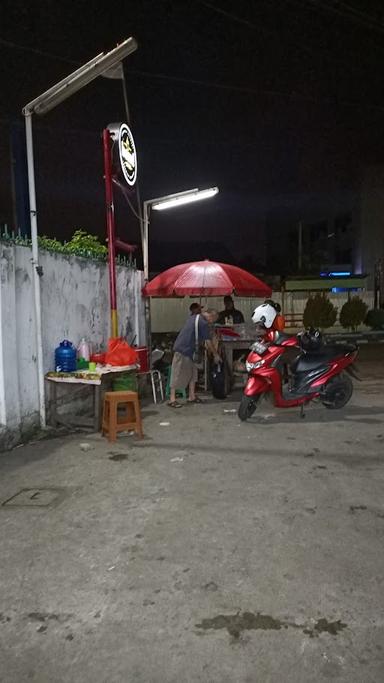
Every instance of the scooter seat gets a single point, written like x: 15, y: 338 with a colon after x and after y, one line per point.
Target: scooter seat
x: 314, y: 359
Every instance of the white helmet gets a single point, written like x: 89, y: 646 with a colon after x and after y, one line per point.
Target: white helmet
x: 264, y: 314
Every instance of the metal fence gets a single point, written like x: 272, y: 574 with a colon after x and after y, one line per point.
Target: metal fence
x: 168, y: 315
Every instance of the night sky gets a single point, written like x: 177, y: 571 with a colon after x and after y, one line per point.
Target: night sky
x: 278, y: 102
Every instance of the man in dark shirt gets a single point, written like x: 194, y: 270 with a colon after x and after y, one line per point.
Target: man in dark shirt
x: 184, y: 370
x: 230, y: 315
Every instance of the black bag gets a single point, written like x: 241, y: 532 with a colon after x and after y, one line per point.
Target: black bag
x: 218, y: 380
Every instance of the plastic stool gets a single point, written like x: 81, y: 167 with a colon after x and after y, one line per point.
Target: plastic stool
x: 179, y: 392
x: 113, y: 422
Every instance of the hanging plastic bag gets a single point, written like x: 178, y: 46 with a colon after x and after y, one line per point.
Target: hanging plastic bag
x: 119, y: 353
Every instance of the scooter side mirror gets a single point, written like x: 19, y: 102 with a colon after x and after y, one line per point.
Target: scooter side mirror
x: 259, y: 347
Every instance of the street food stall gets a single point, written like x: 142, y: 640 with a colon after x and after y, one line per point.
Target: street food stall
x: 203, y: 279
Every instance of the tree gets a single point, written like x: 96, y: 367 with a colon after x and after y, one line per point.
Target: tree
x: 353, y: 313
x: 375, y: 319
x: 319, y: 312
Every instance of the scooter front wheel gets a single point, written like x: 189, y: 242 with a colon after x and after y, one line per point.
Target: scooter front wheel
x: 247, y: 407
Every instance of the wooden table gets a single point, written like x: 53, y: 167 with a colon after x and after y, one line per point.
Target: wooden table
x: 98, y: 386
x: 235, y: 345
x: 229, y: 346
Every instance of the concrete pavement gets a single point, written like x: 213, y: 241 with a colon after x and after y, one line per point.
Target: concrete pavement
x: 210, y: 551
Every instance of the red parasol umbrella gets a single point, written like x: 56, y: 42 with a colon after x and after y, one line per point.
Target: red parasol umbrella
x: 206, y: 278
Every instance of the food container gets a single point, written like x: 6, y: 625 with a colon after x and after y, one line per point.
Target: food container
x: 98, y: 358
x: 143, y: 356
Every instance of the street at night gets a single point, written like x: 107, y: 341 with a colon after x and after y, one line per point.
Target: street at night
x: 191, y: 341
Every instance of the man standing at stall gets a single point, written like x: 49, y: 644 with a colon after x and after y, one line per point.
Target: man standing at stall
x: 184, y: 370
x: 230, y: 315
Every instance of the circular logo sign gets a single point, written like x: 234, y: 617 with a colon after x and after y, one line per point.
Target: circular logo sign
x: 127, y: 154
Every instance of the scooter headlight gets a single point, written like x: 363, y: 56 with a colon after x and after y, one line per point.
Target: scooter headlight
x: 254, y: 366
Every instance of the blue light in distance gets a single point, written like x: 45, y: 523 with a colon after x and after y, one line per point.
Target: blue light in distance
x: 340, y: 273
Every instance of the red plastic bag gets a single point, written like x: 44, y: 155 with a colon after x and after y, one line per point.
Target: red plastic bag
x: 120, y: 353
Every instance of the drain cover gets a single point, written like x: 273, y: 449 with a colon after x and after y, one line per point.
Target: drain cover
x: 38, y: 497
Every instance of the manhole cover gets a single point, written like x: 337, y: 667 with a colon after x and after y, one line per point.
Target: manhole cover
x: 36, y: 497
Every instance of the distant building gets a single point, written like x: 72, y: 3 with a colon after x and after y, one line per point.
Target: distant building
x: 311, y: 239
x: 369, y: 254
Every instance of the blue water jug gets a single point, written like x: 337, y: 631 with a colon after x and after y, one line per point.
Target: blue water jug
x: 65, y: 357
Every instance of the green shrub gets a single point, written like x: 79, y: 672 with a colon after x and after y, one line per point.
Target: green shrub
x: 319, y: 312
x: 375, y: 319
x: 50, y: 244
x: 353, y: 313
x: 83, y: 244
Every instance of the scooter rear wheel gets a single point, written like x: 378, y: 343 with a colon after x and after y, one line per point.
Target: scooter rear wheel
x: 338, y: 392
x: 247, y: 407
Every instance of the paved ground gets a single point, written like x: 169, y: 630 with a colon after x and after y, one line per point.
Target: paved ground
x: 212, y: 551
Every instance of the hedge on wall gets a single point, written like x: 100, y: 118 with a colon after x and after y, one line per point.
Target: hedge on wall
x: 81, y: 244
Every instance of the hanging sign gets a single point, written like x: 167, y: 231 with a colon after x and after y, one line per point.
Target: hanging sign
x: 127, y: 154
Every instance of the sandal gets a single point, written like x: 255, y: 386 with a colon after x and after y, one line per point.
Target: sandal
x: 195, y: 400
x: 175, y: 404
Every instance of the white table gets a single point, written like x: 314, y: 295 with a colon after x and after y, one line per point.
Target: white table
x: 105, y: 374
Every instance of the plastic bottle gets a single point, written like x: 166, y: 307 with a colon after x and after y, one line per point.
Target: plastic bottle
x: 65, y: 357
x: 83, y: 350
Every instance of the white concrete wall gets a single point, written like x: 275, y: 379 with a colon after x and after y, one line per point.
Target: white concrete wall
x: 75, y: 303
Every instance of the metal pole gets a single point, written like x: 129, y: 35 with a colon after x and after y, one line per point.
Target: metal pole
x: 147, y: 304
x: 144, y: 237
x: 141, y: 220
x: 128, y: 116
x: 110, y: 213
x: 35, y: 267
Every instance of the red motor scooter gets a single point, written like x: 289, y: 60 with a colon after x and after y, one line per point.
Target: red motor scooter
x: 318, y: 372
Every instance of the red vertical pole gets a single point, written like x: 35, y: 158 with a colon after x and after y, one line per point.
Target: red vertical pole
x: 110, y: 212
